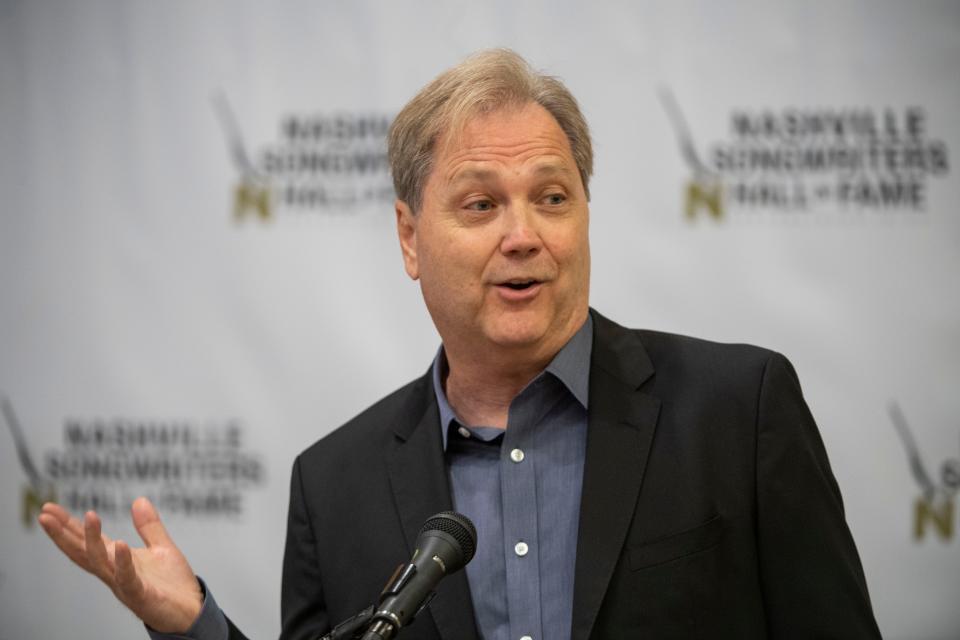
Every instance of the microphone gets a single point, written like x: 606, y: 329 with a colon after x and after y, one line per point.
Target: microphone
x: 445, y: 544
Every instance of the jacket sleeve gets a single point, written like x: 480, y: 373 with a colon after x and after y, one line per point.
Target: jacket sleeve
x: 234, y: 632
x: 302, y: 609
x: 812, y: 580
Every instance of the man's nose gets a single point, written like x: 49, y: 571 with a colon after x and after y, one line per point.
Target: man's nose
x: 521, y: 235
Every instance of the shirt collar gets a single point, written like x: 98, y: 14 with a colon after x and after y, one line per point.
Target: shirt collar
x: 571, y: 366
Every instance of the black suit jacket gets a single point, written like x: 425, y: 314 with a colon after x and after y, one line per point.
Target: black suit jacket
x: 708, y: 508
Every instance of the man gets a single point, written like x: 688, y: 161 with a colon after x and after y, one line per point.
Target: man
x: 624, y: 483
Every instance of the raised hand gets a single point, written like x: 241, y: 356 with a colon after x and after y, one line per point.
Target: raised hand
x: 155, y: 582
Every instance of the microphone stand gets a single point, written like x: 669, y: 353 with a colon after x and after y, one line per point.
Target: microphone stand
x: 352, y: 628
x: 446, y: 540
x: 364, y: 626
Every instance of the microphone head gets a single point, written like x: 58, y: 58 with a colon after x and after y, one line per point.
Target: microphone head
x: 458, y: 529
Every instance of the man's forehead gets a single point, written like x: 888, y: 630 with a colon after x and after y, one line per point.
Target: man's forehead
x: 499, y: 124
x: 543, y: 167
x: 526, y: 133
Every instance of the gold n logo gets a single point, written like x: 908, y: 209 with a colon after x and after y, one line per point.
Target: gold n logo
x: 248, y: 196
x: 927, y: 512
x: 704, y: 195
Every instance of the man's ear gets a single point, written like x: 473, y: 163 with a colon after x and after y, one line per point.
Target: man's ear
x: 407, y: 232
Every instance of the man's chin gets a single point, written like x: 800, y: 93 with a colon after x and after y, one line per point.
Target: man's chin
x: 517, y: 332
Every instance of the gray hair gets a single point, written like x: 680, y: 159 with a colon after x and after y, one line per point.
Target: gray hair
x: 485, y: 82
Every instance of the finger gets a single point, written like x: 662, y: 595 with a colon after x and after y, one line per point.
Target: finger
x: 72, y: 546
x: 63, y: 516
x: 56, y: 511
x: 147, y: 521
x: 129, y: 585
x: 97, y: 555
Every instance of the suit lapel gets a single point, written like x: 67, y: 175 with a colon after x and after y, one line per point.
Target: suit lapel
x: 621, y: 423
x: 420, y: 488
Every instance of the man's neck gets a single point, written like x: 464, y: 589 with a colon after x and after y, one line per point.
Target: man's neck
x: 481, y: 385
x: 481, y: 395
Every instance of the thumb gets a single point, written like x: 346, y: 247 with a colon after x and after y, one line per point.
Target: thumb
x: 147, y: 522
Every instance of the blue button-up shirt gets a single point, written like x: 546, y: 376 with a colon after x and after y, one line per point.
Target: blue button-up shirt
x: 521, y: 487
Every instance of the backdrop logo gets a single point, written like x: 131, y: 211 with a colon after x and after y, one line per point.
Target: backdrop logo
x: 37, y: 489
x: 936, y: 507
x: 798, y: 160
x: 186, y: 467
x: 321, y: 163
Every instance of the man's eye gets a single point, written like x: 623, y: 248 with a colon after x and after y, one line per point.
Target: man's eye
x: 480, y: 205
x: 555, y: 198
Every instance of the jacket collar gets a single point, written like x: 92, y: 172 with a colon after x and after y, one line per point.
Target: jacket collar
x: 421, y: 488
x: 621, y: 422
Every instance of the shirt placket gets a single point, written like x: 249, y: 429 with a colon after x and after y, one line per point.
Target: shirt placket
x: 520, y: 523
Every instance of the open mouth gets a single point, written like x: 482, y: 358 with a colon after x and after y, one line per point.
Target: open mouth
x: 520, y: 286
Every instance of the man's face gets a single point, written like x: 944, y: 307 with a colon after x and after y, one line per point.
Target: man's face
x: 500, y: 245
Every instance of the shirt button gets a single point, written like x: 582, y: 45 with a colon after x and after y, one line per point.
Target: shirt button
x: 516, y: 455
x: 526, y: 637
x: 521, y: 548
x: 464, y: 432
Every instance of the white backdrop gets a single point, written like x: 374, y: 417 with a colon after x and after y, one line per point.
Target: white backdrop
x: 199, y: 274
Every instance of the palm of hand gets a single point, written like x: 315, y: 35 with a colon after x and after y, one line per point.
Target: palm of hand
x: 155, y: 581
